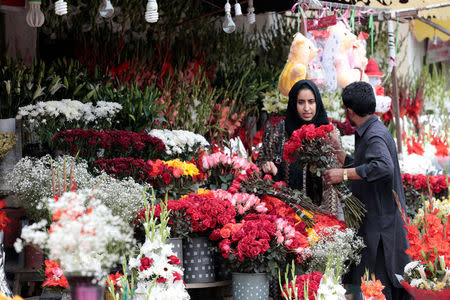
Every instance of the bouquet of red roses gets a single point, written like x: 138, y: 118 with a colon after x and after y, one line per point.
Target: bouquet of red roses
x: 310, y: 146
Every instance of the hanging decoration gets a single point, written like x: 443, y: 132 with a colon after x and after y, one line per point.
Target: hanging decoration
x: 228, y: 24
x: 61, y: 7
x: 35, y: 17
x: 237, y: 9
x: 371, y: 34
x: 106, y: 9
x: 391, y: 45
x: 251, y: 18
x: 321, y: 23
x: 151, y: 13
x: 352, y: 20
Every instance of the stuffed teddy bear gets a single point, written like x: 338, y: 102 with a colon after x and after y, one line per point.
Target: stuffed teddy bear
x: 344, y: 62
x: 301, y: 53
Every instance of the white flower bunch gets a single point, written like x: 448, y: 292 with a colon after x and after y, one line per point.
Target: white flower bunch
x: 180, y: 141
x: 68, y: 110
x: 330, y: 287
x: 85, y: 237
x: 333, y: 105
x: 32, y: 181
x: 345, y: 245
x: 158, y: 270
x: 443, y: 205
x: 274, y: 102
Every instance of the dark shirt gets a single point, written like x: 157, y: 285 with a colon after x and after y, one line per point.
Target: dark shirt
x: 376, y: 162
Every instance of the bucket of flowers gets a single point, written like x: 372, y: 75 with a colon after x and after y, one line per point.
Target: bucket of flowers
x: 427, y: 276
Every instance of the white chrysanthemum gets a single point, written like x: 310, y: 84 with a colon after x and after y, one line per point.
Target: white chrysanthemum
x: 409, y: 268
x: 179, y: 141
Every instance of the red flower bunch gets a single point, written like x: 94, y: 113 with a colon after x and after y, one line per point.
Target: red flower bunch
x: 282, y: 210
x: 433, y: 239
x: 54, y: 276
x: 312, y: 281
x: 441, y: 145
x: 114, y: 279
x: 344, y: 128
x: 371, y: 289
x: 114, y: 143
x: 249, y: 239
x: 414, y: 146
x: 310, y: 140
x: 206, y: 212
x: 326, y: 221
x: 420, y: 182
x: 4, y: 220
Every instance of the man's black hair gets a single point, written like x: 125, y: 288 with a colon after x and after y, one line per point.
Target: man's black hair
x: 359, y: 97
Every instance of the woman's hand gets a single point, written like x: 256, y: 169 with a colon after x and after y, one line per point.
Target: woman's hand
x: 270, y: 168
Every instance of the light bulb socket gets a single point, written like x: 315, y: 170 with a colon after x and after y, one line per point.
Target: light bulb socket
x: 237, y: 9
x: 227, y: 8
x: 151, y: 16
x: 251, y: 18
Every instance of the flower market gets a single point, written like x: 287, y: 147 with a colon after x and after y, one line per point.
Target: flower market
x: 224, y: 149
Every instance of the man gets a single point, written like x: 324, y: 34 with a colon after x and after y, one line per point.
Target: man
x: 374, y: 173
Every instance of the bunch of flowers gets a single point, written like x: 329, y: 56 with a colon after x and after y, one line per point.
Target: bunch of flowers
x: 52, y: 116
x: 243, y: 202
x: 423, y: 183
x: 345, y: 128
x: 180, y: 225
x: 371, y: 289
x: 54, y: 277
x: 180, y: 143
x: 274, y: 102
x: 92, y: 144
x: 34, y: 180
x: 343, y: 243
x: 223, y: 170
x: 4, y: 220
x: 332, y: 103
x: 330, y: 287
x: 175, y: 177
x: 316, y: 152
x: 257, y: 243
x: 429, y: 243
x: 303, y: 287
x: 442, y: 205
x: 441, y: 145
x: 84, y: 236
x: 7, y: 142
x: 156, y: 267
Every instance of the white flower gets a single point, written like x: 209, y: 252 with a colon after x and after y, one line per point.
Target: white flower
x: 409, y: 268
x: 179, y: 141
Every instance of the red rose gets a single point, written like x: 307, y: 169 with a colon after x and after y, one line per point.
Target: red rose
x: 145, y: 263
x: 161, y: 280
x: 177, y: 276
x: 173, y: 260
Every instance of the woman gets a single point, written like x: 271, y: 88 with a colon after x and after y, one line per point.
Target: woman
x: 304, y: 107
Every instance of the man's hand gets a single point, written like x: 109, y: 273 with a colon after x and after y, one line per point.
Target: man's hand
x: 333, y: 176
x: 270, y: 168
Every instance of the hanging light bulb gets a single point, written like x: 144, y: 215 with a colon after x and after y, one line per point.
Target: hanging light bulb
x: 435, y: 39
x: 228, y: 25
x: 251, y: 18
x: 35, y: 17
x: 106, y: 10
x: 61, y: 7
x: 151, y: 14
x: 237, y: 9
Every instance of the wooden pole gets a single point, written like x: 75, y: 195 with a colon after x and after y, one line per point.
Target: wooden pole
x: 396, y: 106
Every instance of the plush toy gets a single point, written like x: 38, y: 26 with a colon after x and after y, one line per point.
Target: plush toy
x: 346, y: 74
x: 360, y: 59
x: 302, y: 52
x: 373, y: 72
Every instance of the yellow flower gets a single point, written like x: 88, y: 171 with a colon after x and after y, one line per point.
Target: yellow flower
x: 188, y: 168
x: 313, y: 237
x: 202, y: 191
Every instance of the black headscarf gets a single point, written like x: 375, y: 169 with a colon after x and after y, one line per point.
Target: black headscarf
x: 293, y: 122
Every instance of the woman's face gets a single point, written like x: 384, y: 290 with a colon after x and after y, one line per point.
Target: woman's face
x: 306, y: 105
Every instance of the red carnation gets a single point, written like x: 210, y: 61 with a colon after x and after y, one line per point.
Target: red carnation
x: 145, y: 263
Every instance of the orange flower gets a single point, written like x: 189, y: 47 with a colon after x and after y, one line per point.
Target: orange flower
x: 372, y: 288
x: 229, y: 229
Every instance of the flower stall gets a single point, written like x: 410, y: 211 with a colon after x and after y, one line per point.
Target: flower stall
x: 130, y: 162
